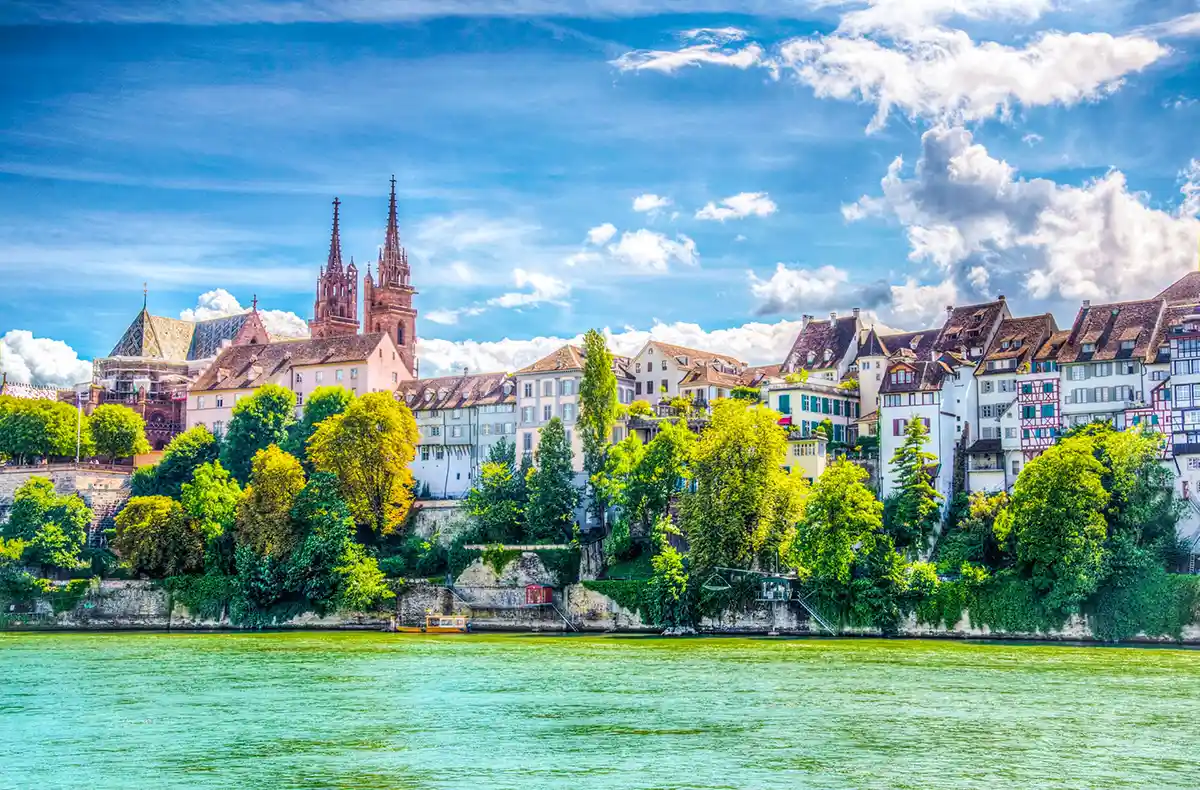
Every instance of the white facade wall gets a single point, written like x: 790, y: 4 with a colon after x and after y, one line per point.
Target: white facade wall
x: 454, y: 443
x: 1101, y: 390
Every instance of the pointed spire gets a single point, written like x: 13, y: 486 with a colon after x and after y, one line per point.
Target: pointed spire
x: 335, y: 242
x: 393, y: 260
x: 145, y: 296
x: 254, y: 304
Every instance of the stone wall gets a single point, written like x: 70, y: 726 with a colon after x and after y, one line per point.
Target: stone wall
x: 104, y: 489
x: 445, y: 517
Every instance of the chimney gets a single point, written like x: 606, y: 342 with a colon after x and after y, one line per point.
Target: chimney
x: 804, y: 319
x: 949, y: 310
x: 465, y: 372
x: 1087, y: 303
x: 856, y: 312
x: 832, y: 316
x: 1001, y: 298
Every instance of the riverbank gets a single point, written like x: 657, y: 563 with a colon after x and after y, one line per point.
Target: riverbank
x: 150, y: 606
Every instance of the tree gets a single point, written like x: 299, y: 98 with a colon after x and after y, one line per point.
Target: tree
x: 264, y: 517
x: 187, y: 452
x: 641, y: 408
x: 913, y: 510
x: 258, y: 422
x: 842, y: 518
x: 363, y: 586
x: 118, y: 431
x: 597, y: 414
x: 157, y: 537
x: 54, y: 528
x: 1142, y: 503
x: 32, y: 429
x: 1058, y: 507
x: 553, y: 496
x: 211, y: 499
x: 668, y: 587
x: 659, y: 473
x: 324, y: 402
x: 736, y: 466
x: 322, y: 516
x: 370, y: 447
x: 982, y: 537
x: 497, y: 500
x: 751, y: 394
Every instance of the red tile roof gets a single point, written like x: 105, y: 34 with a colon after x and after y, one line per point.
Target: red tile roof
x: 1123, y: 330
x: 458, y: 392
x: 249, y: 367
x: 822, y: 344
x: 1018, y: 339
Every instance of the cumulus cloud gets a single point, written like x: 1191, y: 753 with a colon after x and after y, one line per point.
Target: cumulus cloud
x: 755, y: 343
x: 650, y: 202
x: 796, y: 290
x: 922, y: 305
x: 901, y: 56
x: 450, y: 317
x: 602, y: 234
x: 219, y: 303
x: 40, y: 361
x: 704, y: 46
x: 542, y: 288
x: 650, y: 251
x: 739, y: 206
x: 966, y: 211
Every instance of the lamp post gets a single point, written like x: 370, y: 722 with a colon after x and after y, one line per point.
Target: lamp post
x: 79, y: 396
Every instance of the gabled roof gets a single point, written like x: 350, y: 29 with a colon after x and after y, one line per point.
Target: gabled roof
x: 753, y: 376
x: 175, y: 340
x: 1173, y: 316
x: 1018, y: 339
x: 457, y: 392
x: 872, y: 345
x: 1184, y: 290
x: 694, y: 355
x: 1109, y: 328
x: 916, y: 344
x: 916, y: 350
x: 571, y: 357
x: 251, y: 366
x: 825, y: 343
x: 709, y: 374
x: 1048, y: 351
x: 970, y: 326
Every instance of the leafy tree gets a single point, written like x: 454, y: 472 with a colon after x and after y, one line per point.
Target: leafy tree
x: 324, y: 402
x: 682, y: 406
x: 322, y: 515
x: 258, y: 422
x: 211, y: 499
x: 913, y: 510
x: 799, y: 377
x: 54, y: 528
x: 735, y: 511
x: 641, y: 408
x: 118, y: 431
x: 188, y: 451
x: 842, y: 518
x: 32, y: 429
x: 825, y: 428
x: 497, y: 500
x: 363, y: 585
x: 660, y: 472
x: 751, y: 394
x: 668, y: 587
x: 553, y: 496
x: 597, y: 414
x: 982, y: 537
x: 264, y: 517
x: 370, y: 447
x: 157, y: 538
x: 1058, y: 508
x: 1142, y: 503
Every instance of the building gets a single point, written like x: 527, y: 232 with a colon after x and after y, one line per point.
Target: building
x: 150, y: 367
x: 550, y: 388
x: 807, y: 456
x: 825, y: 349
x: 460, y: 419
x: 335, y: 311
x: 388, y: 303
x: 662, y: 371
x: 805, y: 405
x: 360, y: 363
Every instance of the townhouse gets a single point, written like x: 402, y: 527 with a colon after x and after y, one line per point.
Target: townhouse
x: 662, y: 371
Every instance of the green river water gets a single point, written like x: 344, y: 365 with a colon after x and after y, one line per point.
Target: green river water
x: 370, y: 710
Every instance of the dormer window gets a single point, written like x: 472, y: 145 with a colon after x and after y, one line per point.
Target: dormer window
x: 1017, y: 343
x: 1005, y: 344
x: 1089, y: 348
x: 1127, y: 345
x: 812, y: 356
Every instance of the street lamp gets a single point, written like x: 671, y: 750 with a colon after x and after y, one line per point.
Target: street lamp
x: 80, y: 396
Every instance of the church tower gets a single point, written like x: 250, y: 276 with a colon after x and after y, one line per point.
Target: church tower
x: 387, y: 304
x: 336, y: 309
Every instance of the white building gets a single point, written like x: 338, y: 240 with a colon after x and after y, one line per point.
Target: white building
x: 359, y: 363
x: 459, y: 419
x: 805, y: 405
x: 659, y: 369
x: 826, y: 349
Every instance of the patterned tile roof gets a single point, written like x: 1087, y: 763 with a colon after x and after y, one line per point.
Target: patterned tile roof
x: 916, y: 350
x: 709, y: 374
x: 1048, y: 351
x: 970, y: 326
x: 571, y: 357
x: 872, y: 345
x: 1018, y: 339
x: 1185, y: 290
x: 822, y: 344
x: 251, y: 366
x: 1124, y: 330
x: 458, y: 392
x: 176, y: 340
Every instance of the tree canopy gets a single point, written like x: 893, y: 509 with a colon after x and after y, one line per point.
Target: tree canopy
x: 264, y: 517
x: 498, y: 499
x: 913, y: 511
x: 553, y: 496
x: 259, y: 421
x: 597, y: 413
x: 52, y: 527
x: 158, y: 538
x: 324, y: 402
x: 118, y: 431
x: 183, y: 456
x: 32, y: 429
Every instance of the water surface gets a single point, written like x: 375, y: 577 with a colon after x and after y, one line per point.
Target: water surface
x: 367, y: 710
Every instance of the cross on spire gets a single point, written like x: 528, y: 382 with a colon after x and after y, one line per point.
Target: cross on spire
x: 254, y: 304
x: 145, y: 295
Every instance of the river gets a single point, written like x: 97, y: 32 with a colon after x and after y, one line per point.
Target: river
x: 370, y: 710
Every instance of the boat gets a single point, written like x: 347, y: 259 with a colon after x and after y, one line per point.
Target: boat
x: 438, y: 624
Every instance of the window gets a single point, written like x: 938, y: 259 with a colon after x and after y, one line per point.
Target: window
x: 1029, y: 412
x: 825, y: 405
x: 664, y: 385
x: 899, y: 426
x: 637, y: 368
x: 1127, y: 368
x: 528, y: 389
x: 455, y: 431
x: 1127, y: 345
x: 548, y: 387
x: 568, y: 437
x: 568, y: 412
x: 299, y: 400
x: 803, y: 403
x: 1089, y: 348
x: 337, y: 375
x: 435, y: 430
x: 425, y: 453
x: 664, y: 364
x: 1047, y: 410
x: 985, y: 386
x: 891, y: 400
x: 395, y: 377
x: 299, y: 378
x: 218, y: 428
x: 987, y: 411
x: 1048, y: 387
x: 1158, y: 375
x: 527, y: 414
x: 637, y: 387
x: 1010, y: 433
x: 839, y: 433
x: 1077, y: 372
x: 568, y: 386
x: 353, y: 373
x: 837, y: 408
x: 1016, y: 467
x: 785, y: 404
x: 456, y: 414
x: 989, y: 433
x: 1102, y: 369
x: 319, y: 376
x: 439, y: 453
x: 200, y: 402
x: 547, y: 412
x: 527, y: 442
x: 1008, y: 385
x: 486, y: 429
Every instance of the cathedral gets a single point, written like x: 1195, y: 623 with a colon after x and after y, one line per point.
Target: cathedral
x: 387, y: 302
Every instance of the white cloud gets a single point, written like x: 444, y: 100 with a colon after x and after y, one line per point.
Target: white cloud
x: 40, y: 361
x: 1190, y: 190
x: 739, y: 206
x: 965, y: 210
x: 450, y: 317
x: 922, y: 305
x: 1184, y: 26
x: 653, y: 252
x: 796, y: 289
x: 463, y: 272
x: 219, y: 303
x: 602, y: 234
x: 650, y: 202
x: 543, y: 288
x: 712, y: 47
x: 1032, y: 139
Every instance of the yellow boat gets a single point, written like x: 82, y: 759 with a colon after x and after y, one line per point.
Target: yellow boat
x: 438, y: 624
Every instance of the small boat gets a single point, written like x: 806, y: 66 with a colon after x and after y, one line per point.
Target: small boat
x: 438, y: 624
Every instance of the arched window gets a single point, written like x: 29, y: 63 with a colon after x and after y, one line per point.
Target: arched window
x: 400, y: 334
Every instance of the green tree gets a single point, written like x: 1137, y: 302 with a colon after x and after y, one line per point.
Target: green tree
x: 641, y: 408
x: 736, y: 516
x: 363, y: 586
x: 1058, y: 508
x: 32, y: 429
x: 54, y: 528
x: 370, y: 447
x: 553, y: 496
x: 842, y: 518
x: 751, y: 394
x: 323, y: 517
x: 498, y: 499
x: 913, y: 510
x: 660, y: 473
x: 187, y: 452
x: 597, y: 415
x: 264, y: 517
x: 118, y: 431
x: 158, y: 539
x: 982, y: 537
x: 211, y: 499
x: 324, y: 402
x: 258, y: 422
x: 668, y: 586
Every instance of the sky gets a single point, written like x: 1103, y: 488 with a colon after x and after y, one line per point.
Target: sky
x: 701, y: 171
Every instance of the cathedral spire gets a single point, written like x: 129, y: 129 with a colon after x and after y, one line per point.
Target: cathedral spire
x: 393, y: 260
x: 335, y: 242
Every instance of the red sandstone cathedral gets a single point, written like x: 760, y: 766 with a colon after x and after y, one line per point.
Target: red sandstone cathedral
x: 387, y: 304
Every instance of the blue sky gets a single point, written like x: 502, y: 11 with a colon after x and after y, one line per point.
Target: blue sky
x: 895, y: 156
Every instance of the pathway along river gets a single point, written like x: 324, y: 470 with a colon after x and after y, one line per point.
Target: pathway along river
x: 367, y: 710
